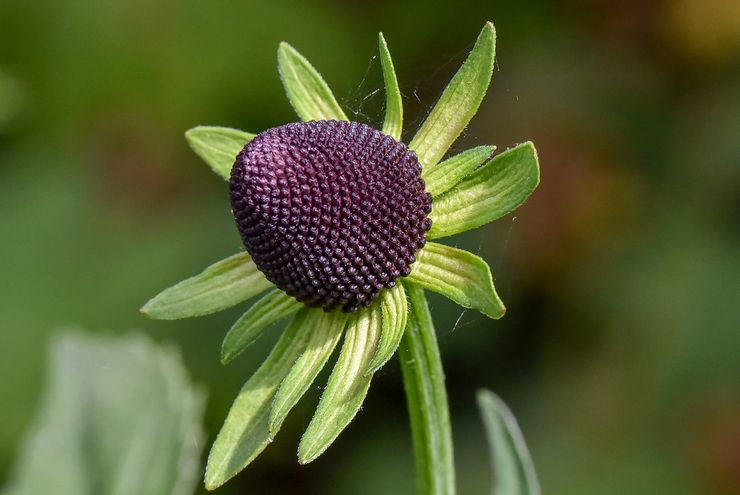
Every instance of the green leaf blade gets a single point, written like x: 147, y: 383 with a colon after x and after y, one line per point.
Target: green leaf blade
x: 347, y: 385
x: 458, y: 274
x: 245, y: 432
x: 393, y: 123
x: 325, y: 330
x: 459, y: 101
x: 494, y: 190
x: 447, y: 174
x: 220, y: 286
x: 218, y: 146
x: 394, y: 307
x: 307, y: 91
x: 118, y: 416
x: 273, y: 306
x: 511, y: 463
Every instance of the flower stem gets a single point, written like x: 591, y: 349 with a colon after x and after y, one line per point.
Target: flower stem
x: 424, y: 381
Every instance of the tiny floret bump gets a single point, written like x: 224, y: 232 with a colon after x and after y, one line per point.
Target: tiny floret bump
x: 331, y: 212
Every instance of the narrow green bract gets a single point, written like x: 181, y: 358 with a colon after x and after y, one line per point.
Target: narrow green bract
x: 245, y: 432
x: 393, y: 124
x: 347, y: 386
x: 394, y: 308
x: 220, y: 286
x: 324, y: 330
x: 272, y: 307
x: 306, y: 89
x: 218, y: 146
x: 511, y: 464
x: 447, y: 174
x: 494, y: 190
x: 458, y: 103
x: 460, y: 275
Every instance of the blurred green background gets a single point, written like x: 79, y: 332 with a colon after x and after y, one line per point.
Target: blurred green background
x: 620, y: 353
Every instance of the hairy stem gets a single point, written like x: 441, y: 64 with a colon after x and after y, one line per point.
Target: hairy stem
x: 424, y: 381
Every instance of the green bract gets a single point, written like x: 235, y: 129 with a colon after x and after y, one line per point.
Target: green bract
x: 469, y: 190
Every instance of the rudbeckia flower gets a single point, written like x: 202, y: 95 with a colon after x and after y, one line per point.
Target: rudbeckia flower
x: 340, y: 223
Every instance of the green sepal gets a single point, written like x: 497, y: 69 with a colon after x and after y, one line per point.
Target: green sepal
x: 393, y: 123
x: 394, y: 307
x: 307, y: 91
x: 245, y: 432
x: 447, y: 174
x: 325, y: 330
x: 347, y: 385
x: 458, y: 274
x: 218, y: 146
x: 495, y: 189
x: 273, y: 306
x: 459, y: 101
x: 220, y: 286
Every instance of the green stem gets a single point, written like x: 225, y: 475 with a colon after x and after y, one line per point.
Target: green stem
x: 424, y: 381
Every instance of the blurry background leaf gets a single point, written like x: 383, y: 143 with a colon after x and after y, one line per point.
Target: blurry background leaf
x: 511, y: 464
x: 11, y: 96
x: 119, y: 416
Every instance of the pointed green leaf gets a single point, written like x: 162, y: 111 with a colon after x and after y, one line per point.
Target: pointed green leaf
x: 494, y: 190
x: 220, y: 286
x: 512, y: 466
x: 307, y: 91
x: 118, y: 416
x: 245, y: 432
x: 393, y: 124
x: 272, y: 307
x: 324, y: 331
x: 395, y: 313
x: 447, y: 174
x: 218, y: 146
x: 458, y: 103
x: 458, y: 274
x: 347, y: 386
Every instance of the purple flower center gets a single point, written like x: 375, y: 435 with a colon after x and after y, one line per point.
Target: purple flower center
x: 331, y: 212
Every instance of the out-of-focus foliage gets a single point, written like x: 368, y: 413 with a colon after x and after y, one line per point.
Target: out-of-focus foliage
x: 511, y: 464
x: 619, y: 347
x: 118, y: 416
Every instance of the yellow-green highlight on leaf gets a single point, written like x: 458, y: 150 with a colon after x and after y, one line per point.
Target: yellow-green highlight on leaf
x: 307, y: 91
x: 458, y: 274
x: 245, y: 432
x: 458, y: 103
x: 324, y: 330
x: 273, y: 306
x: 394, y: 308
x: 218, y: 146
x: 495, y: 189
x: 511, y: 464
x: 347, y: 385
x: 220, y: 286
x: 393, y: 124
x: 447, y: 174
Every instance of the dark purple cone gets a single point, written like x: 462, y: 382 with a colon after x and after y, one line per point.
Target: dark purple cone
x: 331, y: 212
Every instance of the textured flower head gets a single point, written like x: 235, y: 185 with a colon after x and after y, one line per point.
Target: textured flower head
x: 332, y: 212
x: 336, y: 217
